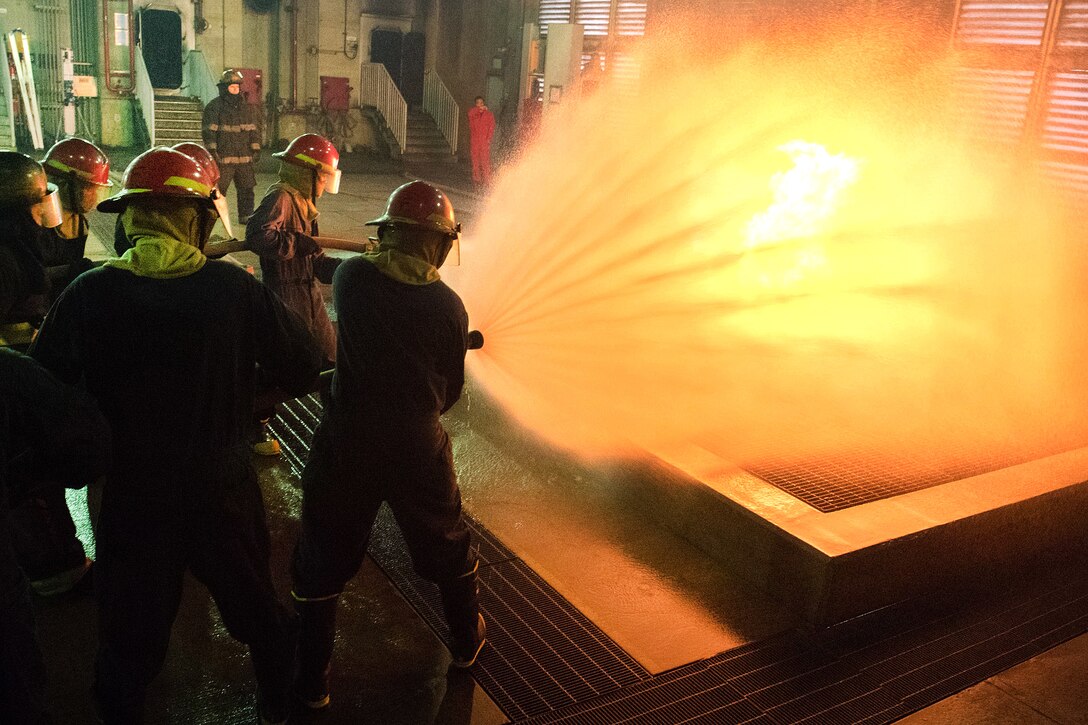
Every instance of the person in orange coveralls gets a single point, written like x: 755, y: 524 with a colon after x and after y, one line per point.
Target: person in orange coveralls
x: 481, y: 126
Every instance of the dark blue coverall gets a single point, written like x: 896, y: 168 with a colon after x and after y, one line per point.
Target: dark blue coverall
x: 172, y: 363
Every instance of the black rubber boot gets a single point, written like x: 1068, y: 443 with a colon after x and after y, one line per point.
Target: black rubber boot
x: 273, y: 662
x: 317, y: 633
x: 461, y: 605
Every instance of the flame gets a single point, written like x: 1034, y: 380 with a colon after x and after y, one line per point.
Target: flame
x: 805, y: 198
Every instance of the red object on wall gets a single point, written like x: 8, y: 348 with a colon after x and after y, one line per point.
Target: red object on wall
x: 252, y: 85
x: 335, y: 93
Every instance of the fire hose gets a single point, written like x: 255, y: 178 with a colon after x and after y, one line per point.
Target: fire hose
x: 221, y: 247
x: 269, y: 398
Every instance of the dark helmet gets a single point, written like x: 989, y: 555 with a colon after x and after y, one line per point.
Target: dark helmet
x: 420, y: 205
x: 161, y: 172
x: 78, y: 158
x: 230, y: 77
x: 201, y: 155
x: 23, y: 183
x: 22, y: 180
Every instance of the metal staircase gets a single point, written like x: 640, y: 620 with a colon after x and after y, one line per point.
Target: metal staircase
x: 177, y: 119
x: 424, y: 142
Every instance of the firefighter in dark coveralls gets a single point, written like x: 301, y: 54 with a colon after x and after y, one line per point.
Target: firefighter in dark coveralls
x: 44, y: 535
x: 400, y: 364
x: 48, y: 433
x: 230, y: 133
x: 168, y: 343
x: 282, y: 232
x: 29, y: 204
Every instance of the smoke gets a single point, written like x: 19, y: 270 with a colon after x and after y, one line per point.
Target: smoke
x: 781, y: 249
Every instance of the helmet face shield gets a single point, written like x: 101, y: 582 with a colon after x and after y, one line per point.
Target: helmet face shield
x: 219, y: 201
x: 454, y: 256
x: 89, y: 196
x: 48, y: 210
x: 332, y: 181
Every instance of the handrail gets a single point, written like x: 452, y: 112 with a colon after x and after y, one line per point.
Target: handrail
x: 9, y: 98
x: 379, y: 90
x: 197, y: 79
x: 439, y: 103
x: 146, y: 95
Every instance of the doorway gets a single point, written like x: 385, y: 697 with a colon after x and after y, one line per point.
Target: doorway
x: 159, y: 38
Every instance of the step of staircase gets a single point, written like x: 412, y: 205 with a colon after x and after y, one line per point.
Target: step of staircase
x: 177, y: 119
x: 425, y: 142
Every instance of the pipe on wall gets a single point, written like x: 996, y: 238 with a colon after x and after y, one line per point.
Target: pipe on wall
x: 106, y: 50
x: 293, y: 9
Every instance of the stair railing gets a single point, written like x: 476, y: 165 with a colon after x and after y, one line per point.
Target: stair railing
x: 379, y: 90
x: 439, y: 104
x: 7, y: 92
x: 197, y: 80
x: 145, y: 94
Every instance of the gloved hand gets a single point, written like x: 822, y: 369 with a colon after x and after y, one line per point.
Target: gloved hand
x: 256, y: 155
x: 305, y: 245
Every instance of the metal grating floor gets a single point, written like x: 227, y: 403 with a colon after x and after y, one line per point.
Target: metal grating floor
x: 547, y: 663
x: 874, y: 671
x: 865, y: 475
x: 543, y: 654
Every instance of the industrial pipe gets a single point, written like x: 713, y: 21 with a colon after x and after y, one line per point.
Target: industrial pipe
x: 106, y: 25
x: 293, y: 9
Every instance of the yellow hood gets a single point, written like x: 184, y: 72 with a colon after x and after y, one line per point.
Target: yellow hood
x: 161, y: 249
x: 403, y: 267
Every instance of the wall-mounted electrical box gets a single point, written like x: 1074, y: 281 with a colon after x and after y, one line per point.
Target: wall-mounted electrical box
x: 335, y: 93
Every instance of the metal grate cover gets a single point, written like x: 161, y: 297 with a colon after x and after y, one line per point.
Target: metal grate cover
x: 875, y: 671
x: 862, y: 476
x: 543, y: 654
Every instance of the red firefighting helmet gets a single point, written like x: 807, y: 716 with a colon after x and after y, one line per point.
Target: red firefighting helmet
x: 314, y: 152
x: 78, y: 158
x: 421, y: 205
x: 230, y: 77
x: 161, y: 172
x: 200, y: 155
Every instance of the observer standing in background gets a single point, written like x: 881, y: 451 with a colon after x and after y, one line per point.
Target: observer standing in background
x: 231, y: 135
x: 48, y: 433
x: 481, y: 126
x: 400, y: 364
x: 168, y: 343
